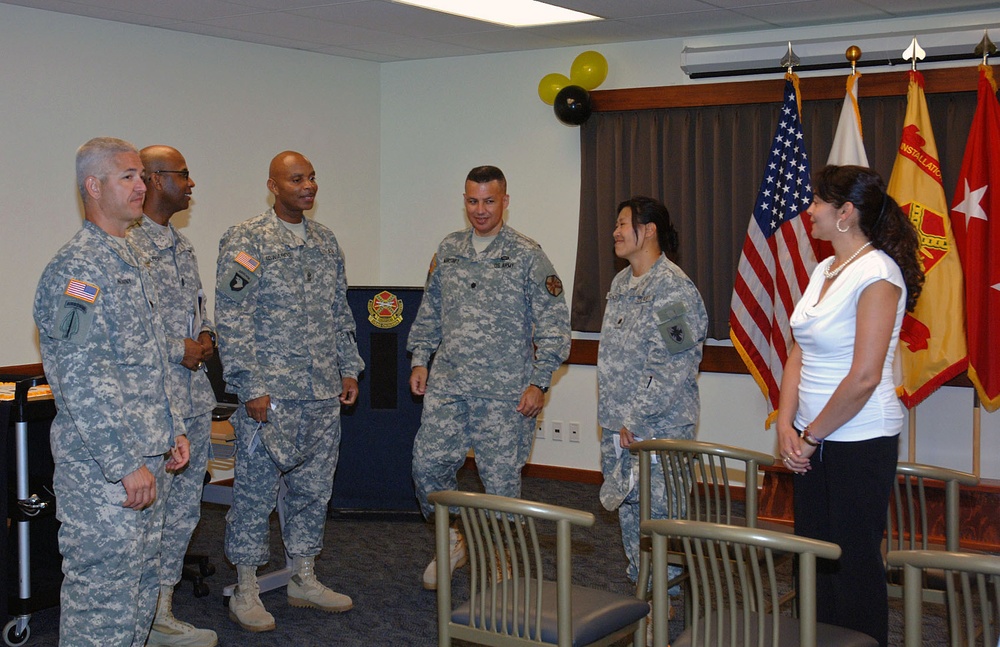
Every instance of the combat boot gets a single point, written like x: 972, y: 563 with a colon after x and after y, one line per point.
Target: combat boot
x: 304, y: 590
x: 168, y: 630
x: 245, y: 607
x: 458, y: 556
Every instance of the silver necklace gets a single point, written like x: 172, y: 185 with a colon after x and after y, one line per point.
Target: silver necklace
x: 832, y: 274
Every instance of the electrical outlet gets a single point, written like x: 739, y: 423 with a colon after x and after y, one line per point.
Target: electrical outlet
x: 539, y: 428
x: 557, y: 430
x: 574, y: 432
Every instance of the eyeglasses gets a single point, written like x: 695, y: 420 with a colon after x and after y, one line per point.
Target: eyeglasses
x: 184, y: 174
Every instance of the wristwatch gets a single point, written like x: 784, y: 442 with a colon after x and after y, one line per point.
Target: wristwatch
x: 543, y: 389
x: 809, y: 438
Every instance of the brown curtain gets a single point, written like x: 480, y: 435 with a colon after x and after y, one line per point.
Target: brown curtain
x: 706, y: 164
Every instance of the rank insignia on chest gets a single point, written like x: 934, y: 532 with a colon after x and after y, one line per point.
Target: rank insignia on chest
x: 554, y: 285
x: 385, y: 310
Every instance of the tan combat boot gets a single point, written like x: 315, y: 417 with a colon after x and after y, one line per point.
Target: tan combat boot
x: 304, y: 590
x: 168, y: 630
x: 245, y: 607
x: 458, y: 556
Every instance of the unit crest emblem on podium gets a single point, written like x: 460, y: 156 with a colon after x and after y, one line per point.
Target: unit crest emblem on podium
x: 385, y: 310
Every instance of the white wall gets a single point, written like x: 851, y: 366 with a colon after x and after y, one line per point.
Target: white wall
x: 228, y: 106
x: 442, y: 117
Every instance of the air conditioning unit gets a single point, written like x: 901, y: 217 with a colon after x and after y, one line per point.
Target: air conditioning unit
x: 877, y: 49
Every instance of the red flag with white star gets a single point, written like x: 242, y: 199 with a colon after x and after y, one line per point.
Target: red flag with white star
x: 975, y: 218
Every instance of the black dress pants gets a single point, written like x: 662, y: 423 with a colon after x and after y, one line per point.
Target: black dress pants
x: 843, y: 499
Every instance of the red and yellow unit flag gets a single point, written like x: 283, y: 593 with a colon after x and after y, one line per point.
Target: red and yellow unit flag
x: 932, y: 339
x: 975, y: 216
x: 778, y: 255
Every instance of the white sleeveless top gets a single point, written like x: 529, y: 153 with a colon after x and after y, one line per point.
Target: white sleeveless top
x: 825, y: 332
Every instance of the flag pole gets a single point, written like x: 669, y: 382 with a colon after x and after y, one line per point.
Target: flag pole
x: 911, y: 450
x: 976, y: 431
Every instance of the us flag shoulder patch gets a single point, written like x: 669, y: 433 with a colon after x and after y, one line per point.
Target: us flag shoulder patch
x: 247, y: 261
x: 82, y: 290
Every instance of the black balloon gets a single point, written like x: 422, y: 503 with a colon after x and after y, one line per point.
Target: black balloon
x: 572, y: 105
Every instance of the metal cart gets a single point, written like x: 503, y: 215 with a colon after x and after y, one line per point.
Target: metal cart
x: 29, y: 507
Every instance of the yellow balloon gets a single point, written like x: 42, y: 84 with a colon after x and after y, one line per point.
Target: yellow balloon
x: 550, y: 85
x: 589, y: 70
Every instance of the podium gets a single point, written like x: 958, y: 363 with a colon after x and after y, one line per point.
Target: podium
x: 373, y: 476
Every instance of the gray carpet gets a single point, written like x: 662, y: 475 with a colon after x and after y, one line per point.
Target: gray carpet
x: 379, y: 564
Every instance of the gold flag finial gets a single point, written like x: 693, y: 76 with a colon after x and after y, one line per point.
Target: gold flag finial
x: 853, y: 54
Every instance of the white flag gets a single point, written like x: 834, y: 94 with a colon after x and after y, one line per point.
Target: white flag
x: 848, y: 147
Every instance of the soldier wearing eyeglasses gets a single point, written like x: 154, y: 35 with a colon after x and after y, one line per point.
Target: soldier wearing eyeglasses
x: 170, y: 258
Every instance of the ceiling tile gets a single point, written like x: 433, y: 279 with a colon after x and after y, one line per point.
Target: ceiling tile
x: 811, y: 12
x: 384, y: 30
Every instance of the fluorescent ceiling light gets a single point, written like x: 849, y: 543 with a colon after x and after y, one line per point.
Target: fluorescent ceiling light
x: 512, y: 13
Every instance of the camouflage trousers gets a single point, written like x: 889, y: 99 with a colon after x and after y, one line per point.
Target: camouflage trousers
x: 183, y: 501
x: 110, y: 557
x: 613, y: 466
x: 452, y: 424
x: 312, y: 428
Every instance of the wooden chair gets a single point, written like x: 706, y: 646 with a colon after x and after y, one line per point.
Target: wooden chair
x: 909, y: 526
x: 698, y: 486
x: 511, y: 602
x: 733, y: 584
x: 972, y: 595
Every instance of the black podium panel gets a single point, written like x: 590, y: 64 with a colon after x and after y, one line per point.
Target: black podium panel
x: 376, y: 446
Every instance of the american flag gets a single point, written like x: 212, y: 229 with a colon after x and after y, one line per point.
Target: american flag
x: 82, y: 290
x: 777, y: 256
x: 247, y: 261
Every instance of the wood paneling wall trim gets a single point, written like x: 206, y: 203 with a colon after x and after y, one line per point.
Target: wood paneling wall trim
x: 714, y: 359
x: 22, y: 369
x: 873, y: 84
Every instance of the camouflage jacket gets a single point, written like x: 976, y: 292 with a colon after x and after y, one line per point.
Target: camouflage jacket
x: 285, y: 328
x: 169, y: 256
x: 104, y: 353
x: 495, y: 321
x: 650, y: 351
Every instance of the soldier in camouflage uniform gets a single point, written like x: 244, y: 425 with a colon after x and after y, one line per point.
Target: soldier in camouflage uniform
x: 169, y: 256
x: 494, y: 317
x: 647, y: 366
x: 104, y: 354
x: 286, y: 335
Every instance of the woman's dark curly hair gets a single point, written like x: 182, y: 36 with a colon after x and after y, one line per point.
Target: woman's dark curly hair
x: 880, y: 218
x: 649, y: 210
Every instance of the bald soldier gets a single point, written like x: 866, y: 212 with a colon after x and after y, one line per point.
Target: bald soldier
x: 169, y: 256
x: 286, y: 338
